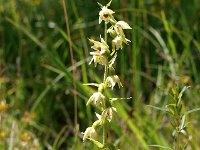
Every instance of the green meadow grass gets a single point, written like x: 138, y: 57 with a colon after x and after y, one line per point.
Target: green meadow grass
x: 36, y: 75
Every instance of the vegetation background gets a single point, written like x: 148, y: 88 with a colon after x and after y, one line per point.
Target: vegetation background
x: 36, y: 75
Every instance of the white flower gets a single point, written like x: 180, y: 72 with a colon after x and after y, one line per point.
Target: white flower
x: 117, y: 42
x: 99, y: 56
x: 105, y: 14
x: 90, y: 132
x: 107, y: 114
x: 112, y: 80
x: 97, y: 99
x: 119, y: 26
x: 117, y: 33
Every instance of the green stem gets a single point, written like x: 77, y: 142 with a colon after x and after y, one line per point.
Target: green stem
x: 105, y: 33
x: 104, y: 80
x: 105, y: 73
x: 104, y: 133
x: 177, y: 142
x: 106, y: 66
x: 104, y: 125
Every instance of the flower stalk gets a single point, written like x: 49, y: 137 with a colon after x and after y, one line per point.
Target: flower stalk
x: 104, y: 80
x: 105, y: 55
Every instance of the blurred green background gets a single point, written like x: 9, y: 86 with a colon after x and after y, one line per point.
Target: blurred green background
x: 36, y: 79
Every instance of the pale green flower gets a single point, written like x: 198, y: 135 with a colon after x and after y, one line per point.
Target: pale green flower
x: 90, y: 132
x: 98, y: 58
x: 107, y: 114
x: 105, y: 14
x: 112, y: 80
x: 117, y: 42
x: 97, y: 99
x: 100, y: 46
x: 102, y: 49
x: 120, y: 26
x: 117, y: 33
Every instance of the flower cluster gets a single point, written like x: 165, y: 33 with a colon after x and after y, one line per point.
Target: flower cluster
x: 105, y: 55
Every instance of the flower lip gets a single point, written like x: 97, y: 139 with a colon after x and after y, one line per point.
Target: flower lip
x: 105, y: 15
x: 98, y: 48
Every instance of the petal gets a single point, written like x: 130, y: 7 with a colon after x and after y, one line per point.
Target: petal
x: 98, y: 116
x: 123, y: 24
x: 97, y: 97
x: 91, y: 99
x: 93, y: 134
x: 113, y: 108
x: 96, y: 53
x: 91, y: 60
x: 87, y: 133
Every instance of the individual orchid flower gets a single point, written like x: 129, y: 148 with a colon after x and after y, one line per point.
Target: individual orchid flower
x: 105, y: 14
x: 90, y: 132
x: 116, y: 31
x: 100, y: 46
x: 118, y: 41
x: 120, y: 26
x: 98, y: 58
x: 112, y: 80
x: 107, y: 114
x: 97, y: 99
